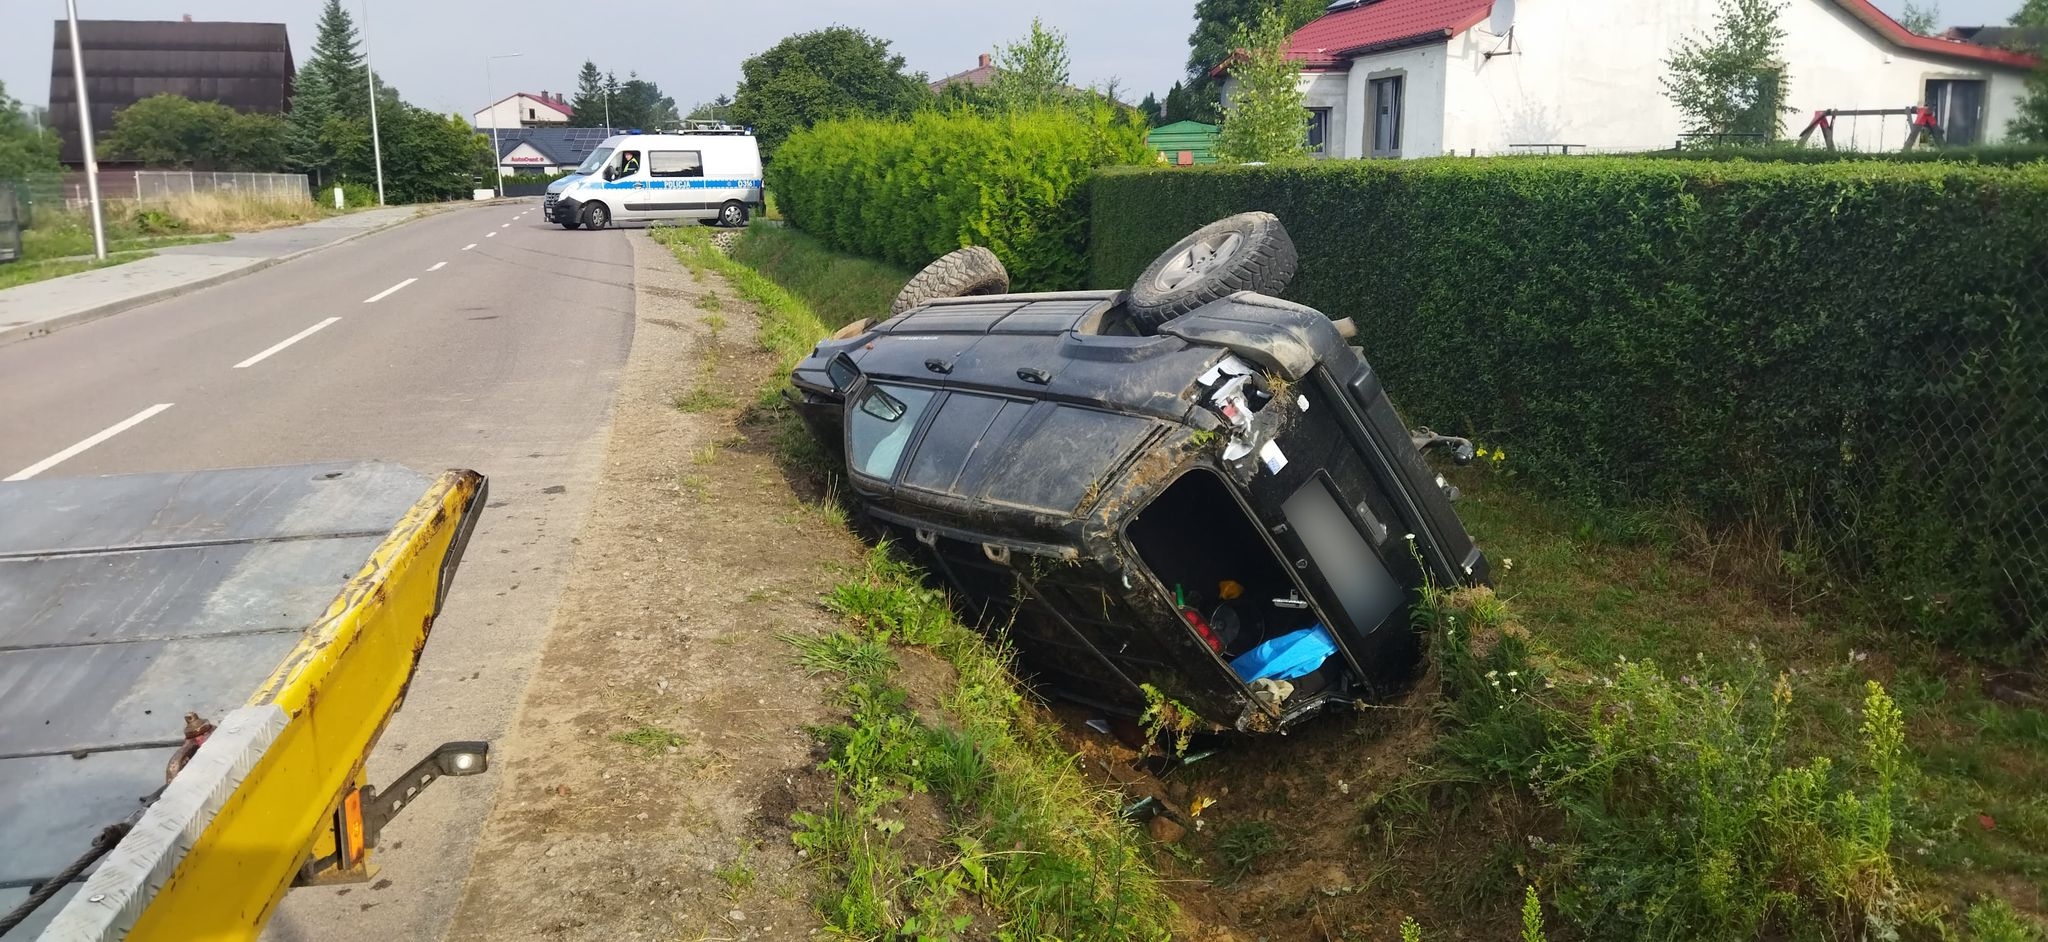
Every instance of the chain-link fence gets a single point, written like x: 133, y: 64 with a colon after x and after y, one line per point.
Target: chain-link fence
x: 1953, y: 503
x: 10, y: 222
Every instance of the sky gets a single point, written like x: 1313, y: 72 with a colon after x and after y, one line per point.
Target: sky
x: 433, y: 51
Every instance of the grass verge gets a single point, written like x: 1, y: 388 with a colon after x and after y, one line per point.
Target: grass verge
x: 1024, y: 847
x: 31, y: 270
x: 54, y: 246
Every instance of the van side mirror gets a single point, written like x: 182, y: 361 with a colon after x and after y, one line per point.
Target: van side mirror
x: 610, y: 174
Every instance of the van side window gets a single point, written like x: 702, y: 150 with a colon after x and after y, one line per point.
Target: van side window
x: 675, y: 163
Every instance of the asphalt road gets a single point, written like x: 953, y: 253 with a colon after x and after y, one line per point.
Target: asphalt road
x: 481, y: 338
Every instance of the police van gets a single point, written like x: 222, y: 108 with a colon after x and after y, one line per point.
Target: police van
x: 708, y: 174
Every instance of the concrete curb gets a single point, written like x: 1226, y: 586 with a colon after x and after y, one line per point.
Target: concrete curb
x: 45, y: 328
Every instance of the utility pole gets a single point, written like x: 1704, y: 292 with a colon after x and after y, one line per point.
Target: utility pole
x: 376, y: 144
x: 92, y: 163
x: 497, y: 171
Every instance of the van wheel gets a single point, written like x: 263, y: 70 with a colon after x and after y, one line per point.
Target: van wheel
x: 960, y: 273
x: 1245, y: 252
x: 595, y: 216
x: 732, y: 215
x: 571, y: 224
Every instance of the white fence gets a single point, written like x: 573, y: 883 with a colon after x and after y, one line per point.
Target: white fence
x: 157, y: 185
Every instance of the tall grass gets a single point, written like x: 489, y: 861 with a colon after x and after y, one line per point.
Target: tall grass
x: 1031, y: 841
x: 1686, y: 812
x: 201, y: 217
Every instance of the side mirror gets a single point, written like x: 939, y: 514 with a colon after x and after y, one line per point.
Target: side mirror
x: 610, y: 174
x: 842, y: 372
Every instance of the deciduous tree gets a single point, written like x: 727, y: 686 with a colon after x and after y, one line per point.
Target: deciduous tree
x: 1732, y: 82
x: 1265, y: 119
x: 834, y: 72
x: 1033, y: 72
x: 1216, y: 26
x: 25, y: 146
x: 169, y: 131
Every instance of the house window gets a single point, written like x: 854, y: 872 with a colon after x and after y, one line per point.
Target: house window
x: 529, y: 114
x: 1319, y: 131
x: 675, y: 163
x: 1959, y: 107
x: 1386, y: 116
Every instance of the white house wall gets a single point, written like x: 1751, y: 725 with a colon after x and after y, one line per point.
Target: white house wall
x: 1423, y: 104
x: 1327, y: 90
x: 1588, y: 73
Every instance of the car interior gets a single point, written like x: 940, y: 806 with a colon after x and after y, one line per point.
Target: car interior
x: 1202, y: 546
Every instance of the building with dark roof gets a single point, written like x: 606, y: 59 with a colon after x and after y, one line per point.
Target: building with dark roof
x: 546, y: 150
x: 245, y: 66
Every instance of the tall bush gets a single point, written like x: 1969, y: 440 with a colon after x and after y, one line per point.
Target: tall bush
x: 1854, y: 352
x: 908, y: 191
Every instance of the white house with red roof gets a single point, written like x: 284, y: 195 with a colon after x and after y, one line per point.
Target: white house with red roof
x: 1417, y: 78
x: 524, y: 110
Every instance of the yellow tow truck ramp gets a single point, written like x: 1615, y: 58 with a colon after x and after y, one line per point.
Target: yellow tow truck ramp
x: 193, y: 669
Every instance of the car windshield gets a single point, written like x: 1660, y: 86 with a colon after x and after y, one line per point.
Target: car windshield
x: 595, y: 160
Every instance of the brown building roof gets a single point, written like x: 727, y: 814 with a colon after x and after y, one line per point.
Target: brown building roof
x: 981, y: 75
x: 246, y: 66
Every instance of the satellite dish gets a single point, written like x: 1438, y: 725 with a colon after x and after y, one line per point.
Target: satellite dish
x: 1503, y: 18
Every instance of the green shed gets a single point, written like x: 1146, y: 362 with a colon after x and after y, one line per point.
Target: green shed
x: 1184, y: 143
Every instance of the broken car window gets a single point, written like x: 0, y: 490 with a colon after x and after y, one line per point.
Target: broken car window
x: 880, y: 428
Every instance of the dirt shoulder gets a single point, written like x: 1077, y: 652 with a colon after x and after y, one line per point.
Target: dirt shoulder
x: 649, y: 776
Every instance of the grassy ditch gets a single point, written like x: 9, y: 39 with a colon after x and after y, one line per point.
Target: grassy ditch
x: 1649, y: 728
x: 838, y: 288
x: 954, y: 811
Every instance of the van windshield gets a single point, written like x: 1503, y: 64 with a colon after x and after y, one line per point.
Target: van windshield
x: 595, y: 160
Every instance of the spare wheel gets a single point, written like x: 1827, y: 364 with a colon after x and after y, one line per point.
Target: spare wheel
x: 960, y: 273
x: 1245, y: 252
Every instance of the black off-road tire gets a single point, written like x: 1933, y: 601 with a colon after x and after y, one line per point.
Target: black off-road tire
x: 960, y: 273
x: 594, y: 216
x: 1245, y: 252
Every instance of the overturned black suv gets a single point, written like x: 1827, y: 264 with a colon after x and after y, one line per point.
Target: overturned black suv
x: 1190, y: 485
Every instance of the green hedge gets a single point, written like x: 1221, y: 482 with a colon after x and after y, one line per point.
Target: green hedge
x: 908, y: 191
x: 1855, y: 352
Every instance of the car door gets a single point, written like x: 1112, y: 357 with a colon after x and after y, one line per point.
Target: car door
x: 627, y: 184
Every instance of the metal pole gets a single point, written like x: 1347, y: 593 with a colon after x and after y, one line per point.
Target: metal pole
x: 92, y: 163
x: 497, y: 170
x: 376, y: 145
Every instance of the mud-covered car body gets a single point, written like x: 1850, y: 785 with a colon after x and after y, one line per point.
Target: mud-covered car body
x: 1086, y: 490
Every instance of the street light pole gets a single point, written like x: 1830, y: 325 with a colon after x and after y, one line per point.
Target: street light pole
x: 92, y: 163
x: 376, y: 144
x: 497, y: 167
